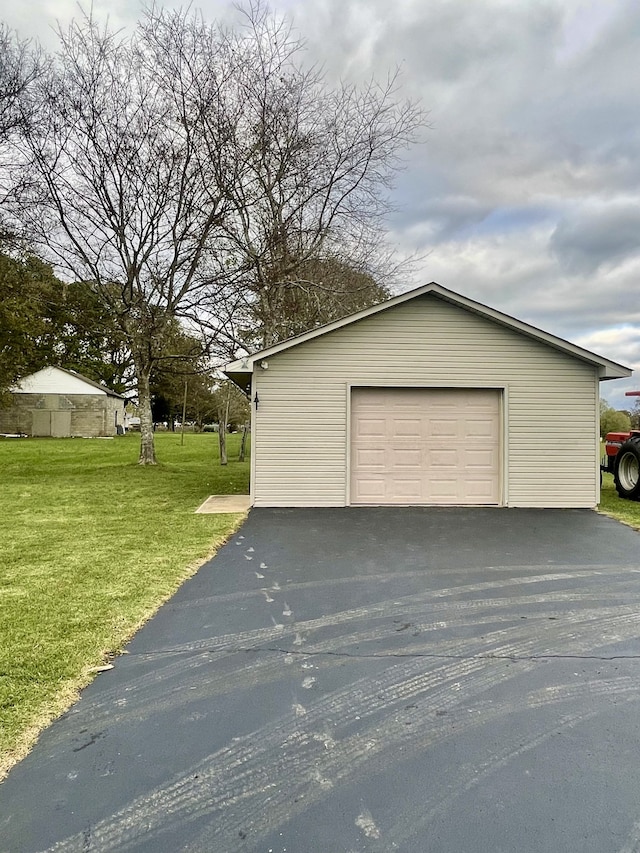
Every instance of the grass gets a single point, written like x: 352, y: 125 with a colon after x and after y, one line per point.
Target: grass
x: 628, y: 512
x: 610, y: 504
x: 91, y: 545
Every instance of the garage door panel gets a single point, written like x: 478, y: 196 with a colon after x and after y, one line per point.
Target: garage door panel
x: 406, y: 427
x: 425, y: 446
x: 480, y: 488
x: 402, y: 458
x: 442, y: 459
x: 440, y: 428
x: 477, y: 401
x: 480, y: 459
x: 441, y: 400
x: 478, y: 471
x: 482, y: 427
x: 443, y: 489
x: 370, y: 489
x: 366, y: 458
x: 372, y: 427
x: 410, y: 489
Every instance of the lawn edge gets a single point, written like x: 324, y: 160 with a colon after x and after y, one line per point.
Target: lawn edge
x: 71, y: 690
x: 616, y: 517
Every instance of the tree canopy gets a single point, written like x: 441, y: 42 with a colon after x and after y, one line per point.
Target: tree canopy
x: 612, y: 420
x: 323, y: 290
x: 44, y: 321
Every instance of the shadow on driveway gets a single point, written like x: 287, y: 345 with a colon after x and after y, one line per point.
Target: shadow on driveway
x: 345, y: 680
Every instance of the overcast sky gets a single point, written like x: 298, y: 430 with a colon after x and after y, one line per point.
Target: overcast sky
x: 525, y: 191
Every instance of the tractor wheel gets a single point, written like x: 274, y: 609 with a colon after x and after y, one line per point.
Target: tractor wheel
x: 627, y: 471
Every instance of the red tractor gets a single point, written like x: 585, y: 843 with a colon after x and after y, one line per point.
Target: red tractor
x: 622, y: 459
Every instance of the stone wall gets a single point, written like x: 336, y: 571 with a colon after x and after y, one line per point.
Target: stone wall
x: 62, y: 415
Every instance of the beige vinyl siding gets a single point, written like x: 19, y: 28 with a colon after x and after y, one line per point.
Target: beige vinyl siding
x: 301, y: 438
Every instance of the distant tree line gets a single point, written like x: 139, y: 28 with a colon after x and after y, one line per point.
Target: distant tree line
x: 46, y: 321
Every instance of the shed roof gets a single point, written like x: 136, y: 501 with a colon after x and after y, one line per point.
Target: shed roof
x: 44, y: 381
x: 240, y: 370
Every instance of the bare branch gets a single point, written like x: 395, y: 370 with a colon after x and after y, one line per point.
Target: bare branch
x: 200, y: 174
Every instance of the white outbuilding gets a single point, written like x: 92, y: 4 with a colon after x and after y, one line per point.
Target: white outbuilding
x: 61, y: 403
x: 429, y: 398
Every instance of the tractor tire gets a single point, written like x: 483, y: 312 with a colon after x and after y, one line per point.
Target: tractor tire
x: 626, y: 475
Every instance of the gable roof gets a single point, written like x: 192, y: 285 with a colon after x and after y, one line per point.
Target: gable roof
x: 240, y: 370
x: 43, y: 382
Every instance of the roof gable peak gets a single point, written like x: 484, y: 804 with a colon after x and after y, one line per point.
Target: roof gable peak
x: 608, y: 369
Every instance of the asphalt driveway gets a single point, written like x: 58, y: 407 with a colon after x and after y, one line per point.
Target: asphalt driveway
x: 342, y: 681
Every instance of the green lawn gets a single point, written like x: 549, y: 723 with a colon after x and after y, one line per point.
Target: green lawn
x: 90, y: 545
x: 610, y: 504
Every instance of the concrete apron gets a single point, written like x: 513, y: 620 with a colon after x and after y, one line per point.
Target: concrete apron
x: 364, y: 680
x: 225, y: 503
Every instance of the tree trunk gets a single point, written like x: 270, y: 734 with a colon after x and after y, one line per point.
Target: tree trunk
x: 222, y: 440
x: 147, y: 444
x: 243, y: 443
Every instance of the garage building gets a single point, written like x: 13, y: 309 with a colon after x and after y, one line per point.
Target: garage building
x: 429, y: 398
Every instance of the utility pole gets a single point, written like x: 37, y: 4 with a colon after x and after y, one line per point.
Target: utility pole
x: 184, y: 413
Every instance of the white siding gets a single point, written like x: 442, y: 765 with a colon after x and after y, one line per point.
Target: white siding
x: 301, y: 435
x: 50, y: 380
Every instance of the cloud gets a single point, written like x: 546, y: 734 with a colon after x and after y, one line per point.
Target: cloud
x: 524, y: 193
x: 622, y: 342
x: 597, y: 234
x: 40, y: 19
x: 514, y: 272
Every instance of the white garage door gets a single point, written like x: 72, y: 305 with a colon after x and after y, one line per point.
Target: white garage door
x: 425, y: 446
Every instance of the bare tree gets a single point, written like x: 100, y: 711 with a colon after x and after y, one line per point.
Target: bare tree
x: 123, y: 193
x: 323, y: 290
x: 309, y: 167
x: 192, y: 172
x: 21, y: 64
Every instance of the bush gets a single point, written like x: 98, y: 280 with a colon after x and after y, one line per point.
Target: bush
x: 613, y: 421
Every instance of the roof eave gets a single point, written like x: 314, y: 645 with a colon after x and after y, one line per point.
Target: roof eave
x: 607, y: 369
x: 97, y: 385
x: 614, y: 371
x: 241, y: 378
